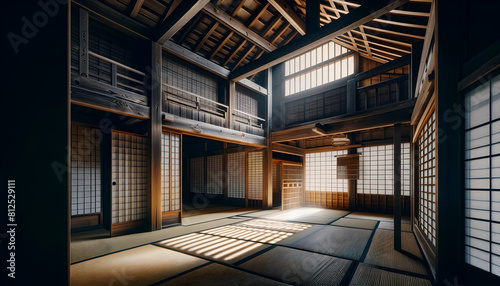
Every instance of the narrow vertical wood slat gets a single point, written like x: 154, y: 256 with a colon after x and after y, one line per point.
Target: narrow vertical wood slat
x: 84, y: 43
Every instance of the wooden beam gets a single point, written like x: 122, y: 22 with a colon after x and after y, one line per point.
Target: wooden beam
x: 171, y: 9
x: 429, y: 35
x: 253, y: 86
x: 278, y: 34
x: 404, y: 44
x: 392, y: 32
x: 189, y: 29
x: 363, y: 14
x: 270, y: 26
x: 136, y: 7
x: 365, y: 40
x: 205, y: 38
x: 195, y: 59
x: 397, y: 186
x: 287, y: 149
x: 178, y: 19
x: 210, y: 131
x: 244, y: 57
x: 330, y: 148
x: 235, y: 52
x: 155, y: 134
x: 289, y: 14
x: 237, y: 9
x: 115, y: 17
x: 221, y: 45
x: 237, y: 26
x: 257, y: 16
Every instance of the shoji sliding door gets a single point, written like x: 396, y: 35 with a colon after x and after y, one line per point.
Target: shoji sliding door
x: 86, y: 177
x: 482, y: 174
x: 129, y: 176
x: 255, y: 178
x: 171, y: 177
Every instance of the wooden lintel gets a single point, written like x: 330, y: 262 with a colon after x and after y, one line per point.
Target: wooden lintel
x: 195, y: 59
x: 363, y: 14
x: 237, y: 26
x: 253, y: 86
x: 234, y: 150
x: 287, y: 149
x: 331, y: 148
x: 180, y: 17
x: 304, y: 132
x: 120, y: 19
x: 205, y: 130
x: 287, y: 12
x: 111, y: 103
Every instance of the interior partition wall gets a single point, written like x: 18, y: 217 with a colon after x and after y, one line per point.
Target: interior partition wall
x: 482, y: 174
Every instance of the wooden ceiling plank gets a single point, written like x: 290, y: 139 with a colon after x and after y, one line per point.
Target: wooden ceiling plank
x: 365, y: 13
x: 289, y: 14
x: 235, y: 52
x: 237, y: 26
x: 221, y: 45
x: 207, y: 35
x: 178, y: 19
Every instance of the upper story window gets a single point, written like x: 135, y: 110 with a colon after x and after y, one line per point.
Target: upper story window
x: 318, y: 66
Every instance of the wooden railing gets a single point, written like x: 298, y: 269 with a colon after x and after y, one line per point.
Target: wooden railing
x: 248, y: 119
x: 115, y: 74
x: 383, y: 93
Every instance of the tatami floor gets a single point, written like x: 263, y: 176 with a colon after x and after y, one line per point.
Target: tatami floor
x: 309, y: 246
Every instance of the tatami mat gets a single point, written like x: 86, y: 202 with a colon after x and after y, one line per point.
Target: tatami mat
x: 204, y: 217
x: 390, y: 226
x: 356, y: 223
x: 299, y: 267
x: 299, y: 236
x: 306, y: 215
x: 139, y: 266
x: 223, y: 249
x: 376, y: 216
x: 382, y: 252
x: 216, y: 274
x: 83, y: 250
x: 338, y: 241
x: 366, y: 275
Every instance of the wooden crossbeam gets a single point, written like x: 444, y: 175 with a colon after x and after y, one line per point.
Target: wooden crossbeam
x: 221, y: 45
x: 244, y: 56
x: 278, y: 34
x: 178, y: 19
x: 366, y: 12
x: 137, y: 6
x: 235, y: 52
x: 237, y: 27
x: 205, y: 38
x: 287, y: 12
x: 257, y: 16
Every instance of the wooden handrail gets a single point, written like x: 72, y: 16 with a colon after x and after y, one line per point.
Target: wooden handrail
x: 384, y: 83
x: 116, y: 63
x: 249, y: 115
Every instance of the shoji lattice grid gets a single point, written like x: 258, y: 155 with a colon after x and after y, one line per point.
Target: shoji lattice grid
x: 197, y: 175
x: 170, y: 172
x: 321, y: 172
x: 215, y: 175
x: 255, y: 175
x: 130, y: 173
x: 236, y: 175
x: 376, y: 170
x: 427, y: 180
x: 482, y: 175
x: 85, y: 170
x: 292, y: 186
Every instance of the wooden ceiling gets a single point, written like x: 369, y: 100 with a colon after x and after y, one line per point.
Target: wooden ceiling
x: 234, y: 33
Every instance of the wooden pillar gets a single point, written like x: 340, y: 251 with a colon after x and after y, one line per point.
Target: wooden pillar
x: 106, y: 178
x: 225, y: 170
x: 155, y: 130
x: 397, y: 186
x: 267, y: 199
x: 312, y: 16
x: 449, y: 152
x: 232, y: 104
x: 278, y: 97
x: 416, y: 54
x: 351, y: 184
x: 84, y: 43
x: 351, y: 96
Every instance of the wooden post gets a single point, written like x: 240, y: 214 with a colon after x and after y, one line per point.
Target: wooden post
x: 114, y: 77
x: 232, y: 103
x: 84, y: 43
x: 225, y: 169
x: 397, y: 186
x: 106, y: 179
x: 351, y: 184
x: 351, y: 96
x: 155, y: 132
x: 267, y: 201
x: 312, y: 19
